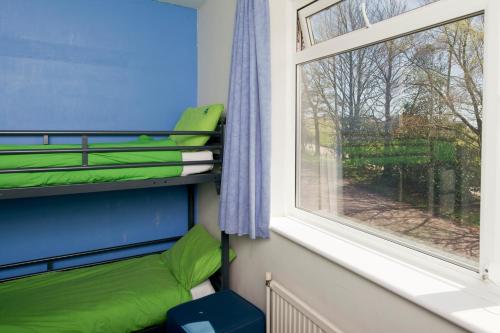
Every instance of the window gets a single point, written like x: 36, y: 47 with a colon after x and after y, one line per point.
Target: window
x: 340, y: 17
x: 389, y: 133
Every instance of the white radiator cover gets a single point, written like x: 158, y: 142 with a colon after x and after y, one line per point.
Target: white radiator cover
x: 286, y: 313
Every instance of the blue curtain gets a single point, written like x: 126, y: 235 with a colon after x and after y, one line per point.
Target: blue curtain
x: 244, y: 206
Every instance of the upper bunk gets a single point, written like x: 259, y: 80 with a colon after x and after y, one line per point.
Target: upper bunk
x: 190, y: 154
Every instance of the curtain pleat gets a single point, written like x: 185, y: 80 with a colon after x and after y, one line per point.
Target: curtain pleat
x: 244, y: 205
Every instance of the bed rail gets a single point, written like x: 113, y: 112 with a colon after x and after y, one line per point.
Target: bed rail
x: 85, y: 150
x: 107, y: 167
x: 215, y: 145
x: 104, y: 150
x: 49, y: 262
x: 104, y: 133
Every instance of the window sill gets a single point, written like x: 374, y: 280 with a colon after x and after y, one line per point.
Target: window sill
x: 464, y: 300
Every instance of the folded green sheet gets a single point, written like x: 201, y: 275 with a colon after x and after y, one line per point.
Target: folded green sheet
x: 120, y: 297
x: 88, y: 176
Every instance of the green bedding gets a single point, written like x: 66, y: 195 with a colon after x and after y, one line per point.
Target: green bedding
x: 203, y: 118
x: 88, y: 176
x: 120, y: 297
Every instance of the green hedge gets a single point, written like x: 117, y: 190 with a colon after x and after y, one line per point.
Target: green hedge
x: 399, y: 152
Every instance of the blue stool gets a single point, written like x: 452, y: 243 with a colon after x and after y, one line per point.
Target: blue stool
x: 222, y: 312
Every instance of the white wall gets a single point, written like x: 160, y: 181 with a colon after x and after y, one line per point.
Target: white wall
x: 351, y: 302
x: 215, y: 33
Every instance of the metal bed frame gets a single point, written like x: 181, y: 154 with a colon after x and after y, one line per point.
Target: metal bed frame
x: 215, y: 144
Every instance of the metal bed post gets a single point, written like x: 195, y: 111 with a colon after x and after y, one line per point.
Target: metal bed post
x: 222, y: 133
x: 191, y: 206
x: 224, y: 237
x: 85, y: 152
x: 225, y: 260
x: 50, y: 266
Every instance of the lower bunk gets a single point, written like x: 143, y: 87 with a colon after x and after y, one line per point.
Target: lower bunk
x: 126, y: 296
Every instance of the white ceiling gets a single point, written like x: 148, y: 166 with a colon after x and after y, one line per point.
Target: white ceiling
x: 186, y: 3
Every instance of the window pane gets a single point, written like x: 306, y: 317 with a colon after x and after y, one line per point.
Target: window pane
x: 347, y: 16
x: 390, y: 138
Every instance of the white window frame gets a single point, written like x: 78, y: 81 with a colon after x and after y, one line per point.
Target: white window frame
x: 421, y: 18
x: 308, y: 11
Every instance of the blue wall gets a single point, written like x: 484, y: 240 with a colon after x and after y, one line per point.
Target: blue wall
x: 93, y: 64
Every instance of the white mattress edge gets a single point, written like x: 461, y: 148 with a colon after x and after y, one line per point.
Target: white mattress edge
x: 204, y: 155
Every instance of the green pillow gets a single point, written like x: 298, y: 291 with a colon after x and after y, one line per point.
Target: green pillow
x: 203, y: 118
x: 194, y: 258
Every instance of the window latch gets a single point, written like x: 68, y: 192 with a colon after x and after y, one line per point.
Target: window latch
x: 365, y: 16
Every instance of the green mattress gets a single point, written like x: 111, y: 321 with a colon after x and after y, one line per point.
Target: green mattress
x: 120, y: 297
x: 88, y: 176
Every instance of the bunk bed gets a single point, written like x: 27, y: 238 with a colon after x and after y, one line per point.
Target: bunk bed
x: 139, y: 164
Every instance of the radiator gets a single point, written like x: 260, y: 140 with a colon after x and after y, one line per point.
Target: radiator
x: 286, y: 313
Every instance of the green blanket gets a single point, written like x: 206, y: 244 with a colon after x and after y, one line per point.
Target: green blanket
x: 120, y: 297
x: 88, y: 176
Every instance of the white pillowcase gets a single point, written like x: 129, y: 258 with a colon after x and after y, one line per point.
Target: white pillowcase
x: 202, y: 290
